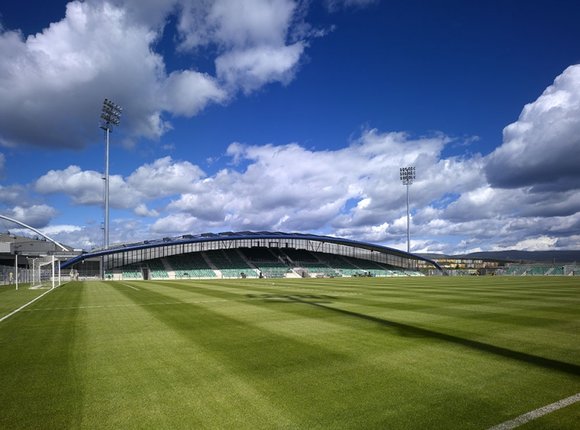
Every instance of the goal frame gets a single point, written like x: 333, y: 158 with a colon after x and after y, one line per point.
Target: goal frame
x: 40, y: 272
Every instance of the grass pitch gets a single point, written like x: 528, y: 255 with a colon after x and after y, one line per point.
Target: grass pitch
x: 417, y: 353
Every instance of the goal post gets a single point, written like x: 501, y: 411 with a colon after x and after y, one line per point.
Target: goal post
x: 46, y: 272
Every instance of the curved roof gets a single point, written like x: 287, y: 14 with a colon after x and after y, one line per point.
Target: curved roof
x: 229, y: 235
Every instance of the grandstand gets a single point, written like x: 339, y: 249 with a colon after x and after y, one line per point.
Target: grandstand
x: 249, y: 255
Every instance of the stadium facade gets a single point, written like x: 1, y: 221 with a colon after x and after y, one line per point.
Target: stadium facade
x: 248, y: 254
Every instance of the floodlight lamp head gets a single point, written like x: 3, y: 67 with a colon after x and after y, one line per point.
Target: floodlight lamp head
x: 110, y: 115
x: 407, y: 175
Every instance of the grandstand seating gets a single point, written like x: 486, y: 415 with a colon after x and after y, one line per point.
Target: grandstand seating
x: 157, y: 269
x: 273, y: 269
x: 132, y: 271
x: 191, y: 265
x: 231, y: 264
x: 300, y: 255
x: 258, y: 254
x: 269, y: 262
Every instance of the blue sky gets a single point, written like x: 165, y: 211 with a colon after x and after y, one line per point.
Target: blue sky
x: 295, y: 116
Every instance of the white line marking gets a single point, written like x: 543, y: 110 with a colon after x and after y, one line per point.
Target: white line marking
x: 127, y: 285
x: 537, y: 413
x: 23, y: 306
x: 127, y: 305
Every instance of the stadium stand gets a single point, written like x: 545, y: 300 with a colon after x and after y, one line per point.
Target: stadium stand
x: 132, y: 271
x: 267, y: 262
x: 231, y: 264
x: 250, y: 254
x: 191, y: 265
x: 157, y: 269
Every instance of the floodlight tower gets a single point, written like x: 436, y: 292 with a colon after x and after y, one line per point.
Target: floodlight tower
x: 407, y: 175
x: 110, y: 116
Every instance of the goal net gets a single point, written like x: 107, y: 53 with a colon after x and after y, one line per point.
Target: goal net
x: 46, y: 273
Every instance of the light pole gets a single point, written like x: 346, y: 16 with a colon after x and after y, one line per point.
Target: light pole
x: 110, y: 116
x: 407, y: 175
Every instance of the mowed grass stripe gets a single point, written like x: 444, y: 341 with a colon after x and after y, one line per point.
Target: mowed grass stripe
x: 39, y: 384
x: 247, y: 350
x: 511, y: 327
x: 144, y: 371
x: 507, y: 327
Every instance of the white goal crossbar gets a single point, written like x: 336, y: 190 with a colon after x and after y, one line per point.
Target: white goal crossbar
x: 46, y: 272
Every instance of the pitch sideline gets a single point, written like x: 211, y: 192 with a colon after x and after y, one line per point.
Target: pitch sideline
x: 537, y: 413
x: 29, y: 303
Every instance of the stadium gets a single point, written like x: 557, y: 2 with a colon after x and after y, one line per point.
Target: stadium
x: 237, y: 258
x: 246, y: 255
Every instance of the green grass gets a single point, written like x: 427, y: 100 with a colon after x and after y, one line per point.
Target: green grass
x: 11, y: 299
x: 437, y: 353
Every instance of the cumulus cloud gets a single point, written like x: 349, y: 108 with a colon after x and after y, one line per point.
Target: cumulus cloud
x: 35, y: 216
x: 542, y: 148
x: 47, y: 76
x: 251, y: 37
x: 162, y: 178
x: 187, y: 92
x: 101, y: 45
x: 254, y: 67
x: 354, y: 186
x: 235, y: 24
x: 82, y: 186
x: 11, y: 195
x: 144, y: 211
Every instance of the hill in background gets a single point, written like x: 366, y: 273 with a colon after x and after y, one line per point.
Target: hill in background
x: 517, y: 256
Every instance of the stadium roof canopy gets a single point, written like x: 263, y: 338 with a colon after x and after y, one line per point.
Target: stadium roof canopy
x: 227, y: 240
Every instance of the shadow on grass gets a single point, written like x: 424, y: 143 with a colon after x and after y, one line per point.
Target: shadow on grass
x: 410, y: 330
x: 230, y: 335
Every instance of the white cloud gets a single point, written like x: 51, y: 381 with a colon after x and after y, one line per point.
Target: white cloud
x: 164, y: 177
x: 100, y: 45
x: 314, y: 193
x: 252, y: 68
x: 187, y: 92
x: 144, y: 211
x: 35, y: 216
x: 176, y: 224
x: 539, y: 243
x: 53, y: 230
x: 236, y: 24
x: 13, y: 194
x: 84, y: 187
x: 542, y: 148
x: 65, y: 68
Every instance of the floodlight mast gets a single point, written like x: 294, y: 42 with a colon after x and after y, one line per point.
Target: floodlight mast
x: 110, y: 116
x: 407, y: 175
